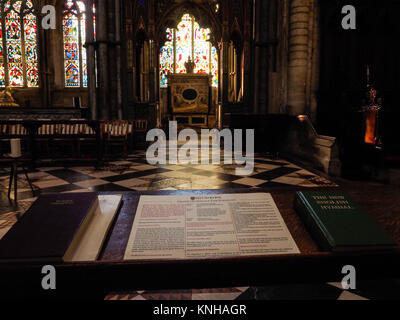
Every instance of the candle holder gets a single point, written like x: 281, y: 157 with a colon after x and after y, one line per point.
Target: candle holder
x: 371, y: 114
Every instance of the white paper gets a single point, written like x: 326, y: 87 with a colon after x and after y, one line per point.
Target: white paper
x: 208, y: 226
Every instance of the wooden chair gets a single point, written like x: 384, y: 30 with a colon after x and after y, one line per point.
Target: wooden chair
x: 65, y: 136
x: 140, y: 128
x: 45, y: 137
x: 86, y: 140
x: 115, y: 134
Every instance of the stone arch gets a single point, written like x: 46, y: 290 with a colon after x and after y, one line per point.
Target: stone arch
x: 236, y: 36
x: 202, y: 13
x: 141, y: 34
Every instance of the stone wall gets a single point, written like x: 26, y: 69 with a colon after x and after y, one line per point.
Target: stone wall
x: 303, y: 58
x: 286, y: 57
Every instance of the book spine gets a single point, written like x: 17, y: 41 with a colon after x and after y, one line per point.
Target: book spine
x: 313, y: 227
x: 317, y: 219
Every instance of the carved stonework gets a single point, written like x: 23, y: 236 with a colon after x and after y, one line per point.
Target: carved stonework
x: 189, y: 92
x: 7, y: 99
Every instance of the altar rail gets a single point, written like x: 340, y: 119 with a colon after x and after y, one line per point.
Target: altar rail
x: 76, y: 140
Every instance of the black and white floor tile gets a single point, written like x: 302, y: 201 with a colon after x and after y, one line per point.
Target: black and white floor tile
x: 135, y: 173
x: 387, y: 290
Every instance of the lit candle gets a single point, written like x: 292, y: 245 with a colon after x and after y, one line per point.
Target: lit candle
x: 368, y: 74
x: 15, y: 148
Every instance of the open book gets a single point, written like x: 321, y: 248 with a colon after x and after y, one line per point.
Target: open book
x: 61, y: 227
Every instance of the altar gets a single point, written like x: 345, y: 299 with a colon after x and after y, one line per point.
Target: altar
x: 190, y: 98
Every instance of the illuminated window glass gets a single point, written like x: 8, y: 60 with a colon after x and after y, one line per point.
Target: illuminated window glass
x: 167, y: 58
x: 19, y: 64
x: 183, y: 43
x: 214, y: 66
x: 186, y: 41
x: 74, y: 35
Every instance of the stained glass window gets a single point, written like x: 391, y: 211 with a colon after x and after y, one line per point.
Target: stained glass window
x: 186, y: 41
x: 167, y: 57
x: 74, y: 35
x: 19, y: 63
x: 183, y: 43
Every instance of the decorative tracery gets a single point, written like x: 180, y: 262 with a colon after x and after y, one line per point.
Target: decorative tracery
x: 74, y: 35
x: 19, y: 63
x: 186, y: 41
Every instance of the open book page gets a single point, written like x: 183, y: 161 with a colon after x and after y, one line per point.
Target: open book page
x: 93, y: 235
x: 208, y: 226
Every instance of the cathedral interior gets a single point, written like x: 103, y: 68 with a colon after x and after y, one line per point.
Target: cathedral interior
x: 81, y: 93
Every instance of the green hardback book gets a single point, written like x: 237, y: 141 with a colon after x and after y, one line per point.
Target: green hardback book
x: 338, y: 223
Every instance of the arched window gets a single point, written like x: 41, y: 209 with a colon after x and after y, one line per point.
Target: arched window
x: 74, y: 31
x: 186, y: 41
x: 19, y: 64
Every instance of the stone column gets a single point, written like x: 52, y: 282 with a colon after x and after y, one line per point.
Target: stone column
x: 283, y: 53
x: 246, y: 58
x: 44, y: 67
x: 225, y: 73
x: 91, y: 62
x: 152, y: 72
x: 102, y: 61
x: 299, y: 38
x: 152, y: 62
x: 256, y: 52
x: 314, y: 65
x: 224, y: 47
x: 261, y: 58
x: 111, y: 52
x: 118, y: 51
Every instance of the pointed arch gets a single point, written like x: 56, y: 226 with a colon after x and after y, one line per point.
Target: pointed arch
x: 188, y: 41
x: 74, y: 38
x: 19, y: 59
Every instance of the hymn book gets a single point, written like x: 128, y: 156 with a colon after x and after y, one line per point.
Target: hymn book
x: 61, y: 227
x: 338, y: 223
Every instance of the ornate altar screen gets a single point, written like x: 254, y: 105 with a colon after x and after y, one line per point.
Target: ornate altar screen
x: 190, y: 90
x: 189, y: 97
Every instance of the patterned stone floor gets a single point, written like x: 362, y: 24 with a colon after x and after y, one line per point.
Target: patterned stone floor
x: 328, y: 291
x: 134, y: 173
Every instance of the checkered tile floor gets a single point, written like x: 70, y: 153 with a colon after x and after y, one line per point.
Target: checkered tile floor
x: 329, y: 291
x: 371, y: 290
x: 135, y: 173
